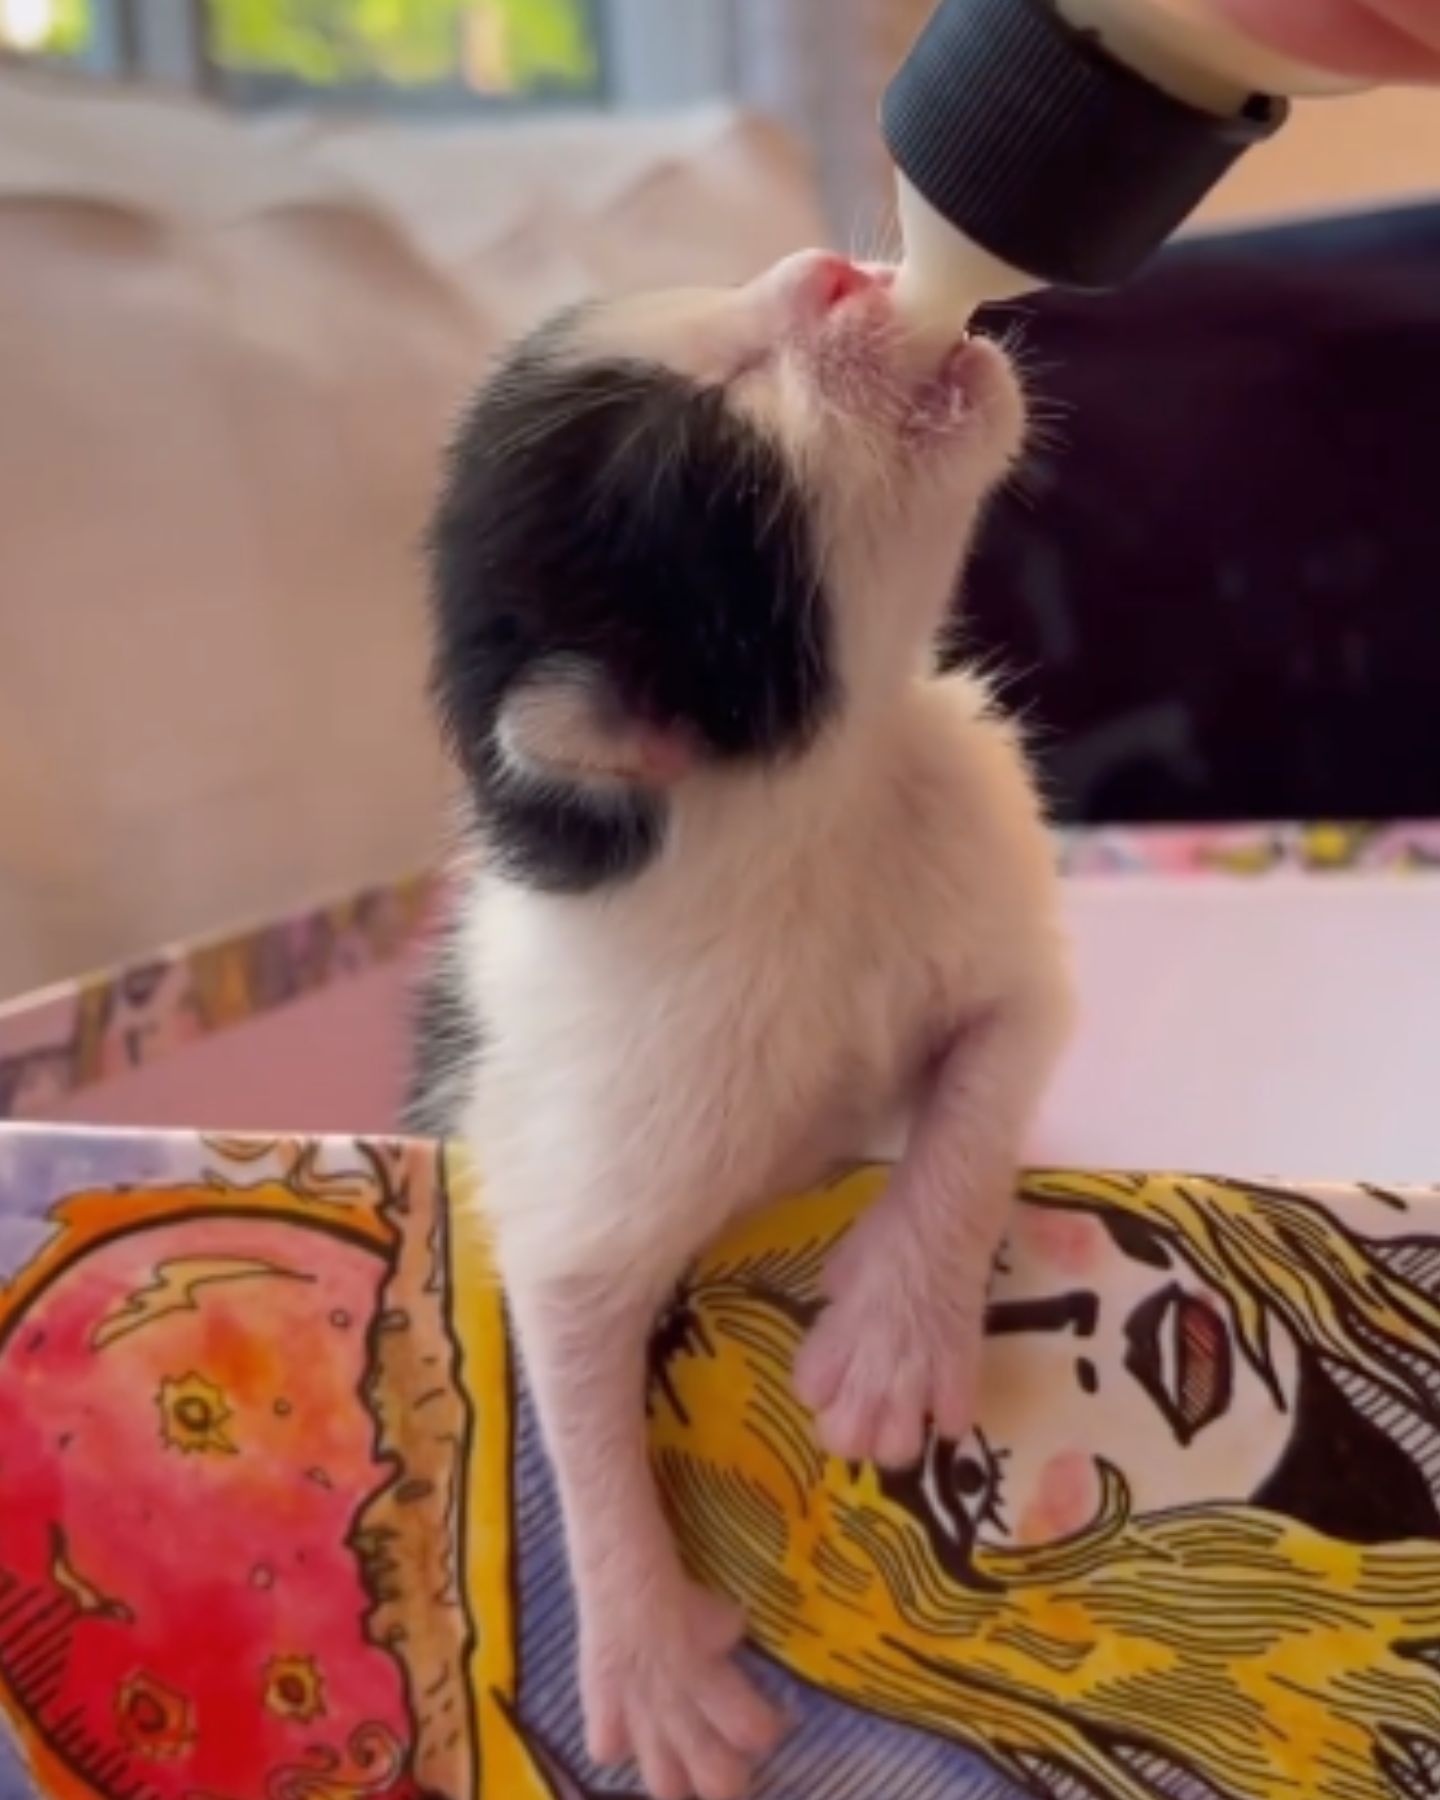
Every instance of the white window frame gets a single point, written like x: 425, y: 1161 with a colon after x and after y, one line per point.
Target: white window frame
x: 157, y: 41
x: 668, y: 53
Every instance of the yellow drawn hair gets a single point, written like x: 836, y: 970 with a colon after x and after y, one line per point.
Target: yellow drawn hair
x: 1233, y: 1644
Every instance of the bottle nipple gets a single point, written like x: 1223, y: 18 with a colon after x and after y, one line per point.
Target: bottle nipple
x: 944, y: 275
x: 1029, y: 155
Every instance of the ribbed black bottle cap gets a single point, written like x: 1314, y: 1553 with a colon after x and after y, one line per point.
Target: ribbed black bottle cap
x: 1048, y: 152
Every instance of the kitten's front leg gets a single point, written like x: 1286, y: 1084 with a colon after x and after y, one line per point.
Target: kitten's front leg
x: 897, y: 1349
x: 658, y: 1679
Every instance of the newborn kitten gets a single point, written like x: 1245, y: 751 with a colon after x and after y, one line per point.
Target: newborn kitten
x: 749, y: 883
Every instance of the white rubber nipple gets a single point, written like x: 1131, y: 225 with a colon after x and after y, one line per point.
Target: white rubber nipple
x: 943, y: 275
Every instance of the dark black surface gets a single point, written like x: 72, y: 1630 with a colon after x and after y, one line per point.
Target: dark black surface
x: 1217, y: 598
x: 1343, y: 1474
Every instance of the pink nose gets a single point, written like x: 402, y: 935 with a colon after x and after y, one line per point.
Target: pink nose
x: 835, y: 279
x: 810, y: 284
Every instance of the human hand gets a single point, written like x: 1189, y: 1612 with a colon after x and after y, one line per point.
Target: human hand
x: 1373, y: 40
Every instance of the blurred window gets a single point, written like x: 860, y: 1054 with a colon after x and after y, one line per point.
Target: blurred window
x: 406, y: 53
x: 46, y: 28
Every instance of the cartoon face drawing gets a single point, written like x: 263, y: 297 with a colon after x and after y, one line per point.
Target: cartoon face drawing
x: 1107, y: 1348
x: 275, y: 1522
x: 1151, y: 1606
x: 186, y: 1455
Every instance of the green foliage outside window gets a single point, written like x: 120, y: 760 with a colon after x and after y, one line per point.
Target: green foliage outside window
x: 70, y: 31
x: 65, y: 27
x: 325, y: 43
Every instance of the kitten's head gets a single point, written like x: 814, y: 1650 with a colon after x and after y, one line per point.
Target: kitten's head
x: 697, y: 528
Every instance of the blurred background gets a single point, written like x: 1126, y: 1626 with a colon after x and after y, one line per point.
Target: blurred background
x: 253, y: 253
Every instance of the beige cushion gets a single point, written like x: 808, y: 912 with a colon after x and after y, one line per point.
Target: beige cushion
x: 228, y: 356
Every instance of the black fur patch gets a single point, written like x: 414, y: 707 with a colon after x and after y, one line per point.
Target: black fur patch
x: 446, y: 1042
x: 618, y: 514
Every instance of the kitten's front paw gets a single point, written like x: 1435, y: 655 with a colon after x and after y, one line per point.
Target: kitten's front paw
x: 661, y: 1687
x: 895, y: 1352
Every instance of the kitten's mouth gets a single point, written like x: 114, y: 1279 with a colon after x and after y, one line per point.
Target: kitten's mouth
x: 965, y: 377
x: 899, y: 386
x: 926, y: 395
x: 865, y: 358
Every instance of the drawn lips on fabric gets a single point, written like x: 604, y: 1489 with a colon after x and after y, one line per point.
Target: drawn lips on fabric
x: 1178, y: 1348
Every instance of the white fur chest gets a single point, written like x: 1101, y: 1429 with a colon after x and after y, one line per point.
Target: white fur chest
x: 761, y: 1001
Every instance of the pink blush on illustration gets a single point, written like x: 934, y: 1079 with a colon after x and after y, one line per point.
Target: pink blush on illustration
x: 1069, y: 1242
x: 1066, y: 1499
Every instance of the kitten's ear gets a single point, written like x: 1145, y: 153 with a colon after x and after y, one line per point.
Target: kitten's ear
x: 563, y: 722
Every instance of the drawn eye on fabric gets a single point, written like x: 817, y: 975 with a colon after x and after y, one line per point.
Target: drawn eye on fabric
x: 957, y: 1492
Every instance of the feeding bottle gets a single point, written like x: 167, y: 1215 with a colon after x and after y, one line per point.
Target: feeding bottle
x: 1060, y: 142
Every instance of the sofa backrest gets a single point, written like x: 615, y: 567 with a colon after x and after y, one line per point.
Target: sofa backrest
x: 229, y: 354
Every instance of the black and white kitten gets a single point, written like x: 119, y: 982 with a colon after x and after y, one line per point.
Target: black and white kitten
x: 750, y: 884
